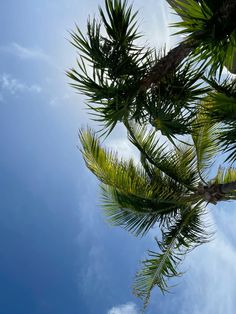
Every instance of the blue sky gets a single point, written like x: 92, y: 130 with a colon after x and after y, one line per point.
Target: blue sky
x: 57, y: 253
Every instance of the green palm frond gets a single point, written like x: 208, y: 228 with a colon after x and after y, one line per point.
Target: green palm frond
x: 119, y: 22
x: 178, y: 164
x: 185, y: 231
x: 171, y: 106
x: 130, y: 199
x: 191, y: 9
x: 138, y: 214
x: 106, y: 165
x: 220, y: 107
x: 227, y: 142
x: 110, y: 64
x: 111, y: 67
x: 213, y: 37
x: 212, y: 4
x: 204, y: 137
x: 225, y: 175
x: 226, y: 178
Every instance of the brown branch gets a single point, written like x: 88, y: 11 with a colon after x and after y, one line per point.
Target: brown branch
x: 166, y: 65
x: 215, y: 192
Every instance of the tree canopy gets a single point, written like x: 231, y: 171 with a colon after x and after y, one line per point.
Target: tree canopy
x: 187, y: 96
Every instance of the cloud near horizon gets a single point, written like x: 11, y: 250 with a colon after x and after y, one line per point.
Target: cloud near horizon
x: 128, y: 308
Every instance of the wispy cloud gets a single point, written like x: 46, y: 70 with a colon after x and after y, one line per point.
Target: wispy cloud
x: 13, y: 86
x: 24, y: 52
x: 128, y: 308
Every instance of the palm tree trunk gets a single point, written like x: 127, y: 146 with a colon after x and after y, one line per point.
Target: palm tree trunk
x: 224, y: 20
x: 166, y: 65
x: 215, y: 192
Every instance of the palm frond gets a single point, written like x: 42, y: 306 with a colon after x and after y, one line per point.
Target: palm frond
x: 220, y: 107
x: 179, y: 165
x: 130, y: 199
x: 106, y: 165
x: 138, y: 214
x: 212, y: 36
x: 110, y: 64
x: 204, y: 137
x: 171, y: 106
x: 185, y: 232
x: 225, y: 175
x: 110, y: 68
x: 119, y: 22
x: 226, y: 179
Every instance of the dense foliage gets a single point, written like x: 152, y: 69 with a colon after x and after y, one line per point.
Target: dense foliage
x: 186, y: 95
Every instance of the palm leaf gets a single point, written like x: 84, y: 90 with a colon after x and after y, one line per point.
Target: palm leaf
x: 213, y: 37
x: 226, y: 178
x: 110, y: 65
x: 130, y: 199
x: 204, y: 137
x: 134, y: 213
x: 225, y: 175
x: 185, y: 232
x: 171, y: 106
x: 220, y: 107
x: 179, y: 165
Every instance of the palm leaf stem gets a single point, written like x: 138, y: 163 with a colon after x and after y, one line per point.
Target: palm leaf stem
x: 213, y: 193
x: 168, y: 250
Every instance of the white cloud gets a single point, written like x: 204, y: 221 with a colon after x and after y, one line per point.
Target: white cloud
x: 13, y: 86
x: 128, y: 308
x: 24, y: 52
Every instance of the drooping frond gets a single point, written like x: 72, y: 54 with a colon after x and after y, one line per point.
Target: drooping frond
x: 185, y: 231
x: 138, y: 214
x: 106, y: 165
x: 130, y: 199
x: 178, y: 164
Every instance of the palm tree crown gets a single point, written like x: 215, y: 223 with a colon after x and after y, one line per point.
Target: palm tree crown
x: 169, y: 188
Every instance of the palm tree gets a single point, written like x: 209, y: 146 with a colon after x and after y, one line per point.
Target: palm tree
x: 139, y: 87
x: 168, y: 188
x: 118, y: 86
